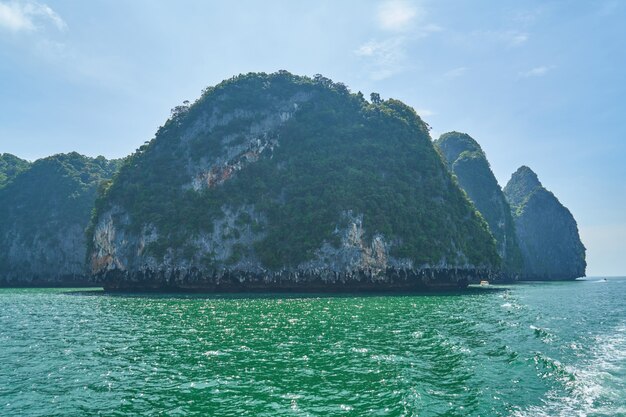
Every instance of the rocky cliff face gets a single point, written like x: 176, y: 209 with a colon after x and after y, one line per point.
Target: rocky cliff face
x: 547, y: 232
x: 10, y: 167
x: 44, y: 212
x: 467, y: 161
x: 285, y: 182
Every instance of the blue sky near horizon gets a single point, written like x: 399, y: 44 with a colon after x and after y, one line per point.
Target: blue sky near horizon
x: 539, y: 83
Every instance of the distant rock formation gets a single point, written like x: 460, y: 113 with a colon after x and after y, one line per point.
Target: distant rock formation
x: 467, y: 161
x: 44, y: 211
x: 546, y: 231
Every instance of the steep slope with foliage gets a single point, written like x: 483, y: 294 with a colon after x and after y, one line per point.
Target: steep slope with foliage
x: 44, y: 212
x: 467, y: 161
x: 10, y: 167
x: 277, y: 180
x: 547, y: 232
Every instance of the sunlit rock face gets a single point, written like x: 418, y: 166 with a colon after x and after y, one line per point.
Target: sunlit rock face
x: 275, y: 181
x: 546, y: 231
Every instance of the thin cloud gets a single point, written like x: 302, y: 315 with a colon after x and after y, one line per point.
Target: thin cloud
x: 28, y: 16
x: 428, y: 29
x: 37, y: 27
x: 516, y: 38
x: 425, y: 112
x: 388, y: 49
x: 455, y: 72
x: 496, y: 38
x: 536, y: 72
x: 386, y: 58
x: 528, y: 16
x: 396, y: 15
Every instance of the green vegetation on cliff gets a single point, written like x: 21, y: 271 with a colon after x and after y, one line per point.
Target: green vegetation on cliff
x: 10, y: 167
x: 546, y: 230
x: 467, y: 161
x: 300, y: 153
x: 43, y: 215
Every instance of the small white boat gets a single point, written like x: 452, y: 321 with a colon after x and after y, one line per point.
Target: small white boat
x: 484, y: 283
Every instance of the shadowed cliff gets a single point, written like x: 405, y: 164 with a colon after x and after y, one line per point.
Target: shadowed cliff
x: 467, y: 161
x: 44, y: 211
x: 546, y: 231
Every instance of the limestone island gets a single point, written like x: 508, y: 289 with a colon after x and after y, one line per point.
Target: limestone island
x: 277, y: 182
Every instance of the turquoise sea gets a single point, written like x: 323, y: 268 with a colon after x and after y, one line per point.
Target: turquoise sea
x: 534, y: 349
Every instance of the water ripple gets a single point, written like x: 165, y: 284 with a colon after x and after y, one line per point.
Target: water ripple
x: 520, y: 352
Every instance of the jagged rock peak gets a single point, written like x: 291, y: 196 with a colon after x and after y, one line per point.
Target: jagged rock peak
x: 547, y: 232
x: 522, y: 183
x: 453, y: 144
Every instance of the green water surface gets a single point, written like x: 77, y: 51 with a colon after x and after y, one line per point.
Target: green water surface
x: 545, y: 349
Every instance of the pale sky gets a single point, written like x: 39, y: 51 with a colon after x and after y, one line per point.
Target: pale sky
x: 540, y: 83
